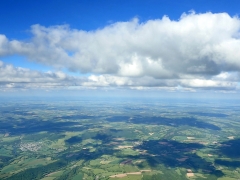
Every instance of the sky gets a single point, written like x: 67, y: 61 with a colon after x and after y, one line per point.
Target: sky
x: 160, y: 46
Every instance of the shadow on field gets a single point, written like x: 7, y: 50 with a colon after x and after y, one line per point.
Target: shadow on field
x: 230, y: 149
x: 175, y: 154
x: 232, y: 164
x: 174, y: 122
x: 86, y: 152
x: 25, y: 126
x: 207, y: 114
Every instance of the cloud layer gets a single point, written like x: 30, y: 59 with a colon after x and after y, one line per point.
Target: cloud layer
x: 15, y: 77
x: 197, y: 51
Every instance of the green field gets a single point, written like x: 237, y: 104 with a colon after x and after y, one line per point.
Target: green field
x: 95, y: 141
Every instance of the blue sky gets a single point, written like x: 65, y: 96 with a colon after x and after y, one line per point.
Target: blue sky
x: 18, y: 16
x: 136, y: 45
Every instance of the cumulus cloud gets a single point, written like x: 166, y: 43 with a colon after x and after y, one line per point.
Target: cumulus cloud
x: 196, y: 51
x: 167, y: 84
x: 17, y: 77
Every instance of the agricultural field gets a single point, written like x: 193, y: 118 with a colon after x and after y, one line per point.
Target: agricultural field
x: 119, y: 139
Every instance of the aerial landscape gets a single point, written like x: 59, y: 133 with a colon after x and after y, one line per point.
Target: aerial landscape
x: 119, y: 90
x: 121, y: 139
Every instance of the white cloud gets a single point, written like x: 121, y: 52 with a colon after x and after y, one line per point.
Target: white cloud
x: 16, y: 77
x: 197, y: 51
x: 167, y: 84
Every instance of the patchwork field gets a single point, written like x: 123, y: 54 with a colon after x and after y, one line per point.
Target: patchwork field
x: 56, y: 140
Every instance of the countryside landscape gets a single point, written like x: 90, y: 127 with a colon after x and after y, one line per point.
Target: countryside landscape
x: 119, y: 90
x: 119, y: 139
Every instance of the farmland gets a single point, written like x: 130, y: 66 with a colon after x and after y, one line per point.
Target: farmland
x: 121, y: 139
